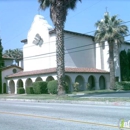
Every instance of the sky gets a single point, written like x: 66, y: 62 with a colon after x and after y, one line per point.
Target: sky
x: 16, y: 17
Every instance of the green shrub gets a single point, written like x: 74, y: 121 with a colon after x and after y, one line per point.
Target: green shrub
x: 76, y: 86
x: 118, y: 86
x: 123, y: 85
x: 88, y: 87
x: 4, y: 87
x: 29, y: 90
x: 53, y: 85
x: 40, y: 87
x: 66, y: 87
x: 20, y: 90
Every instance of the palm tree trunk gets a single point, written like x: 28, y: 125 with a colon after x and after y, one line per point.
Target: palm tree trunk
x: 111, y: 65
x: 60, y: 46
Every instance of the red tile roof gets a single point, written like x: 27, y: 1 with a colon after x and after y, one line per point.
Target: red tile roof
x: 11, y: 66
x: 53, y: 70
x: 7, y: 58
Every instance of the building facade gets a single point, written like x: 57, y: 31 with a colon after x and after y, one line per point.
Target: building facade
x: 86, y: 62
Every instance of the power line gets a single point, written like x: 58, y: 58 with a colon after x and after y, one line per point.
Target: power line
x: 64, y: 38
x: 35, y: 57
x: 65, y: 50
x: 77, y: 13
x: 67, y: 37
x: 87, y: 8
x: 55, y: 54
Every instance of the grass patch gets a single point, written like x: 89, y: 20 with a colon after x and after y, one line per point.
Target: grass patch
x: 50, y: 97
x: 93, y: 91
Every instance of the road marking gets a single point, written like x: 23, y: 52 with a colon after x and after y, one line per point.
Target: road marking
x: 61, y: 119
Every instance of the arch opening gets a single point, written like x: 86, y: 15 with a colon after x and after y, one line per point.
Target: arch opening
x: 49, y: 78
x: 80, y: 80
x: 68, y: 81
x: 102, y: 83
x: 38, y: 79
x: 91, y: 81
x: 28, y: 82
x: 19, y: 83
x: 12, y: 87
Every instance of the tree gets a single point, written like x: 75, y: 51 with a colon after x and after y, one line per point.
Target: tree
x: 110, y: 29
x: 124, y: 65
x: 1, y: 61
x: 16, y: 54
x: 58, y: 13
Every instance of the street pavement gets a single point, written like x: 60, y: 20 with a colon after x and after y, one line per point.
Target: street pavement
x: 16, y: 115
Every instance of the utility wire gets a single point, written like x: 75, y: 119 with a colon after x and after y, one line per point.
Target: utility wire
x: 87, y: 32
x: 66, y: 38
x: 65, y: 52
x: 86, y: 8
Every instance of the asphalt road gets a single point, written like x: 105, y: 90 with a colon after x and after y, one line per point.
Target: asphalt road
x: 16, y: 115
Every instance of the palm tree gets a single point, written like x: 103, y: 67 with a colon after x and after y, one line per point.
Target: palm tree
x: 58, y: 13
x: 110, y: 29
x: 16, y: 54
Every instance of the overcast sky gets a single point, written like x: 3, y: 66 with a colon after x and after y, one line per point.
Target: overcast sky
x: 16, y: 17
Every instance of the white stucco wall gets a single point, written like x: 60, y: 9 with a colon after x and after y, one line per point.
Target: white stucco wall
x: 7, y: 72
x: 102, y: 56
x: 42, y: 57
x: 77, y: 56
x: 124, y: 46
x: 39, y: 57
x: 98, y: 56
x: 104, y: 59
x: 21, y: 64
x: 8, y: 62
x: 72, y: 77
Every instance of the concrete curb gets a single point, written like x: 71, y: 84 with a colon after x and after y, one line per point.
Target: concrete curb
x: 105, y: 103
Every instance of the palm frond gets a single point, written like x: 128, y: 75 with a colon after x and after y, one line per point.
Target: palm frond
x: 44, y: 3
x: 110, y: 29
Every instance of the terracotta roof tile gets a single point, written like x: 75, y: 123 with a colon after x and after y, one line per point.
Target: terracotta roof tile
x: 6, y: 57
x: 11, y: 66
x: 53, y: 70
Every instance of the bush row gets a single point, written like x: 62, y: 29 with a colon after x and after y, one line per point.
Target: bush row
x: 42, y: 87
x: 123, y: 85
x: 39, y: 87
x: 52, y: 87
x: 20, y: 90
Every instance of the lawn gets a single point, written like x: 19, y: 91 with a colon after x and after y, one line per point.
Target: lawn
x: 94, y: 92
x: 69, y: 97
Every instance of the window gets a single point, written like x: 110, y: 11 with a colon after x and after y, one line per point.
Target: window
x: 14, y: 70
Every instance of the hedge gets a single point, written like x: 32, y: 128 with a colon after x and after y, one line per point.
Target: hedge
x: 29, y: 90
x: 40, y: 87
x: 53, y: 85
x: 20, y: 90
x: 123, y: 85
